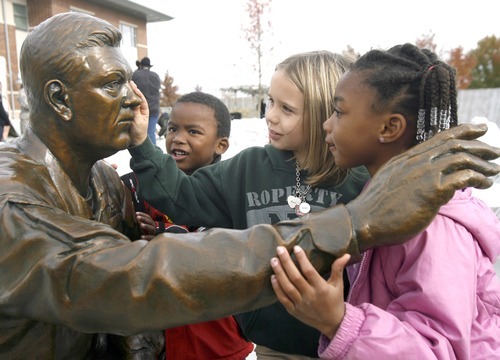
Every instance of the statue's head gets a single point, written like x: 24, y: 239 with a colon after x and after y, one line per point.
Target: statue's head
x: 77, y: 83
x: 56, y: 49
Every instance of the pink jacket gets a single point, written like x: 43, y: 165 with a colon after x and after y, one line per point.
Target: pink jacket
x: 435, y: 297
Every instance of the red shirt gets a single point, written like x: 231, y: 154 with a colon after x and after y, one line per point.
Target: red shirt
x: 218, y: 339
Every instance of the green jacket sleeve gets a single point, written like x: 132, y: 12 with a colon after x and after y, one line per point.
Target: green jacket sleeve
x: 196, y: 200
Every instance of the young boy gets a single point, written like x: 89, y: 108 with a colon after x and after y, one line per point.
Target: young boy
x: 197, y: 134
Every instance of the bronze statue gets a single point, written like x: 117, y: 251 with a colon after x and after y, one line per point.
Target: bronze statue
x: 68, y: 267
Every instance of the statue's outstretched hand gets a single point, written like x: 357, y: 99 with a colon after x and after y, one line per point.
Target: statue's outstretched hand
x: 139, y: 129
x: 406, y: 193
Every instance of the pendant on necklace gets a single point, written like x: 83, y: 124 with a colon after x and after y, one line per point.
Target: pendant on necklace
x: 293, y: 201
x: 302, y: 209
x: 298, y: 202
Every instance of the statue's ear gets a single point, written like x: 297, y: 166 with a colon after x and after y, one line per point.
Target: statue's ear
x: 56, y: 97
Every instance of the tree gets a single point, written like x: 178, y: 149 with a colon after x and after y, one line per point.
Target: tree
x: 486, y: 73
x: 349, y: 52
x: 463, y: 63
x: 254, y: 34
x: 426, y: 41
x: 169, y: 91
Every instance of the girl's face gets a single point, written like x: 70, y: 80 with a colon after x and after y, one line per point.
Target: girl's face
x: 353, y: 129
x: 191, y: 136
x: 284, y: 113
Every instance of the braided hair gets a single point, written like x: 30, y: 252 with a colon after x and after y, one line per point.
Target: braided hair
x: 415, y: 83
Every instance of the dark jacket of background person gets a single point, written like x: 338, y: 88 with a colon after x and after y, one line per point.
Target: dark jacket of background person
x: 4, y: 118
x: 150, y: 84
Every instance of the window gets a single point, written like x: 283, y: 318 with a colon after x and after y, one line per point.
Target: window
x: 129, y: 35
x: 129, y: 42
x: 20, y: 17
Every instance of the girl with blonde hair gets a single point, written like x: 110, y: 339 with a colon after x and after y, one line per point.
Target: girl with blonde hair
x: 291, y: 176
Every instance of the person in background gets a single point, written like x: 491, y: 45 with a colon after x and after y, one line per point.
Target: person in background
x: 262, y: 109
x: 68, y: 267
x: 162, y: 121
x: 437, y: 295
x: 25, y: 110
x: 150, y: 85
x: 4, y: 119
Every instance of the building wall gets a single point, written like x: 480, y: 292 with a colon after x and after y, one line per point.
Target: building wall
x: 479, y: 103
x: 12, y: 46
x: 38, y: 10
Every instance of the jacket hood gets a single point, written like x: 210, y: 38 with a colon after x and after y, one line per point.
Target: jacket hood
x: 477, y: 218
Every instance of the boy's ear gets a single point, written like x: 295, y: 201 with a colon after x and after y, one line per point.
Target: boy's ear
x: 56, y: 96
x: 394, y: 128
x: 222, y: 145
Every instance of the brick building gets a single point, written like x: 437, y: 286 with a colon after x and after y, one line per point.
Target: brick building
x: 18, y: 17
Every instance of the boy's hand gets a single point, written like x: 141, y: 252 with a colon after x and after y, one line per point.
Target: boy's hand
x: 139, y: 129
x: 146, y: 225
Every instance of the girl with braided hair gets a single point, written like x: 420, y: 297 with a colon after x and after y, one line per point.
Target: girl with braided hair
x: 436, y: 296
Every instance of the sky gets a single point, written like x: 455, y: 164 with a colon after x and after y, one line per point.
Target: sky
x: 204, y: 45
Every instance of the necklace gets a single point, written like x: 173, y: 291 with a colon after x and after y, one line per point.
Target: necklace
x: 298, y: 202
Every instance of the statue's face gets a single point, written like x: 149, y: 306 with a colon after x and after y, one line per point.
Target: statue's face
x: 102, y: 103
